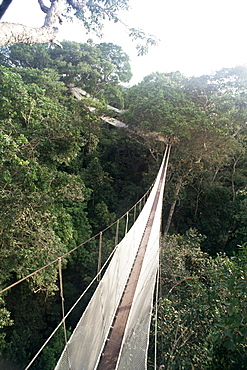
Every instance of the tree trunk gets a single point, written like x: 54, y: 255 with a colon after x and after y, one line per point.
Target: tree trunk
x: 169, y: 220
x: 11, y: 33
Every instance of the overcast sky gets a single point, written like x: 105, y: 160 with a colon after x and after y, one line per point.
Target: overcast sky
x: 196, y: 37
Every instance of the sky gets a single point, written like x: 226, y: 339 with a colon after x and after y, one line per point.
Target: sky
x: 196, y: 37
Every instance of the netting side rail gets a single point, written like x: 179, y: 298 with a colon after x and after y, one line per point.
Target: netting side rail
x: 87, y: 341
x: 133, y: 353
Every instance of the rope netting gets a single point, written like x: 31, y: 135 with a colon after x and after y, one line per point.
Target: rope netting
x: 86, y: 345
x: 133, y: 354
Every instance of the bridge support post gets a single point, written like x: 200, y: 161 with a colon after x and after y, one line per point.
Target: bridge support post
x: 117, y: 231
x: 134, y: 212
x: 100, y: 255
x: 127, y: 223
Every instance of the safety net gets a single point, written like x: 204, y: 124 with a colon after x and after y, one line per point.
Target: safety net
x: 85, y: 346
x: 133, y: 354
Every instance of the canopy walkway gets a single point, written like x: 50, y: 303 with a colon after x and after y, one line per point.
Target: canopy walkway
x: 122, y: 303
x: 113, y: 332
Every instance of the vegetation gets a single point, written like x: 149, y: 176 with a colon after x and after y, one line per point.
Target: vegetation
x: 207, y: 116
x: 202, y: 312
x: 65, y: 175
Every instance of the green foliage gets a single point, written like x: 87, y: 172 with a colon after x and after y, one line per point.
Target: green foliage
x: 238, y: 234
x: 38, y: 134
x: 202, y: 315
x: 96, y: 68
x: 34, y: 139
x: 228, y: 295
x: 216, y: 214
x: 103, y: 217
x: 160, y: 103
x: 4, y: 321
x: 49, y: 356
x: 96, y: 12
x: 209, y: 159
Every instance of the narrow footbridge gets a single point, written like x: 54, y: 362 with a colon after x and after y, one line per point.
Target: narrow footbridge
x: 113, y: 331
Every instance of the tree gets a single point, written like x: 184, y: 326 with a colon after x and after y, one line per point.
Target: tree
x: 37, y: 134
x: 207, y: 116
x: 98, y: 69
x: 42, y: 205
x: 209, y: 200
x: 202, y: 310
x: 91, y: 13
x: 161, y: 103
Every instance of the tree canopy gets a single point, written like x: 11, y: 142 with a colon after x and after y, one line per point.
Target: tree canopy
x: 207, y: 116
x: 99, y: 69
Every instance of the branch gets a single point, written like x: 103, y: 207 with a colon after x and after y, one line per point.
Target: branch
x: 77, y: 4
x: 54, y: 13
x: 4, y: 6
x: 239, y: 129
x: 179, y: 282
x: 11, y: 33
x: 43, y: 7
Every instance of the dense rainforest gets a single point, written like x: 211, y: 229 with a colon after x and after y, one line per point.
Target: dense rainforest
x: 66, y: 175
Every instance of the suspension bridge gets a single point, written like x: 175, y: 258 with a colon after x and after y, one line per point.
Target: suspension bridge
x: 113, y: 331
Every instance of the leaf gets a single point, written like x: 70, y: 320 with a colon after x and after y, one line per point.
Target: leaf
x: 229, y: 345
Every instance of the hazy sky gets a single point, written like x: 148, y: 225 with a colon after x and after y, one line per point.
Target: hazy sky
x: 196, y: 37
